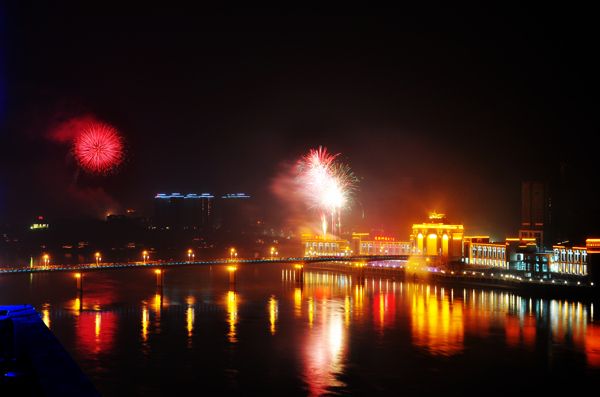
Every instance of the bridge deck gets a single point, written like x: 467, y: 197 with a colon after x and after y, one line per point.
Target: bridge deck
x: 93, y: 267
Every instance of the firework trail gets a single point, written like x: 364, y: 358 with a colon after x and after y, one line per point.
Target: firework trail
x: 328, y: 185
x: 99, y: 149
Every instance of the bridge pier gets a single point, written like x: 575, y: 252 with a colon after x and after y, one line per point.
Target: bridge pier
x: 299, y: 274
x: 360, y: 274
x: 79, y: 277
x: 232, y: 274
x: 160, y: 278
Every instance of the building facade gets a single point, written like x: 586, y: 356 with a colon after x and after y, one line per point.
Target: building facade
x: 315, y: 245
x: 365, y: 244
x: 523, y: 257
x: 536, y: 213
x: 479, y: 251
x: 176, y: 211
x: 438, y: 237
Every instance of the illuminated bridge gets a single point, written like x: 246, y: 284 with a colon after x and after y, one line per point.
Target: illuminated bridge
x: 300, y: 260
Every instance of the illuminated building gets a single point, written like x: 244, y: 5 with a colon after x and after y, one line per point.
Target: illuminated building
x: 479, y: 251
x: 315, y: 245
x: 518, y: 254
x: 363, y: 244
x: 528, y: 260
x: 536, y: 213
x: 575, y: 260
x: 523, y: 257
x: 438, y: 237
x: 176, y: 211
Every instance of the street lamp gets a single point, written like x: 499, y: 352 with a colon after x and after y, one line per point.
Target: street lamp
x: 231, y: 256
x: 189, y: 255
x: 272, y: 250
x: 97, y: 258
x: 46, y: 260
x: 145, y: 256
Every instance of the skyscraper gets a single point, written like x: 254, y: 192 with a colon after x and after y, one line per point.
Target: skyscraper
x: 536, y: 214
x: 176, y: 211
x: 235, y: 212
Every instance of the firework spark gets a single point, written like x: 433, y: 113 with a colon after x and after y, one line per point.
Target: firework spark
x: 328, y: 185
x: 99, y: 149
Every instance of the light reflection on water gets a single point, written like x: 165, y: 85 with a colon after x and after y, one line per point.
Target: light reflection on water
x: 327, y: 335
x: 232, y: 310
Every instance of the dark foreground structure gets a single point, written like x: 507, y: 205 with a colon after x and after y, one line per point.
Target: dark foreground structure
x: 32, y: 360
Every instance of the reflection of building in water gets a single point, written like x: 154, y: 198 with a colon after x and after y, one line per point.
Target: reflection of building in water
x: 324, y: 347
x: 384, y: 309
x: 592, y: 344
x: 437, y: 324
x: 520, y: 331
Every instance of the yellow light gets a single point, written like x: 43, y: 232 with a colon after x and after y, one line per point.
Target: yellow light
x: 157, y: 271
x: 78, y: 275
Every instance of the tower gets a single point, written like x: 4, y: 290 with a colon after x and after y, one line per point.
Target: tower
x: 536, y: 213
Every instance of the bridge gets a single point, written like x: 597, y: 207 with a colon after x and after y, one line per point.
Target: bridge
x: 157, y: 265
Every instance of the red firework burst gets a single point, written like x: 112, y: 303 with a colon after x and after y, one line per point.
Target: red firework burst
x: 99, y: 149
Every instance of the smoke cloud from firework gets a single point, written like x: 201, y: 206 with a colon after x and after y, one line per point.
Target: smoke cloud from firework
x: 328, y: 185
x: 65, y: 128
x: 66, y: 197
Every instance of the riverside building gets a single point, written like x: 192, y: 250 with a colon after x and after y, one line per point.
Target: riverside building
x: 438, y: 237
x: 360, y: 244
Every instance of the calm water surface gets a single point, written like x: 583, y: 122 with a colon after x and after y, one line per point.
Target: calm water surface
x: 268, y: 336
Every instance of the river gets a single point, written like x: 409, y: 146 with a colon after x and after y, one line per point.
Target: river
x: 267, y: 335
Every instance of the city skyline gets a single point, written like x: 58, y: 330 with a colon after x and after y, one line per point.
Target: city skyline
x: 448, y: 109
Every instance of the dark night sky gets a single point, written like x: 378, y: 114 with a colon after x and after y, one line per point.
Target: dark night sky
x: 434, y: 108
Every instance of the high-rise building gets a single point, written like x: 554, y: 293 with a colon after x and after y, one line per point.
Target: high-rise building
x: 536, y: 214
x: 176, y: 211
x: 199, y: 210
x: 235, y: 212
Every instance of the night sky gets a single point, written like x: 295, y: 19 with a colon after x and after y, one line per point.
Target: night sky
x: 447, y: 109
